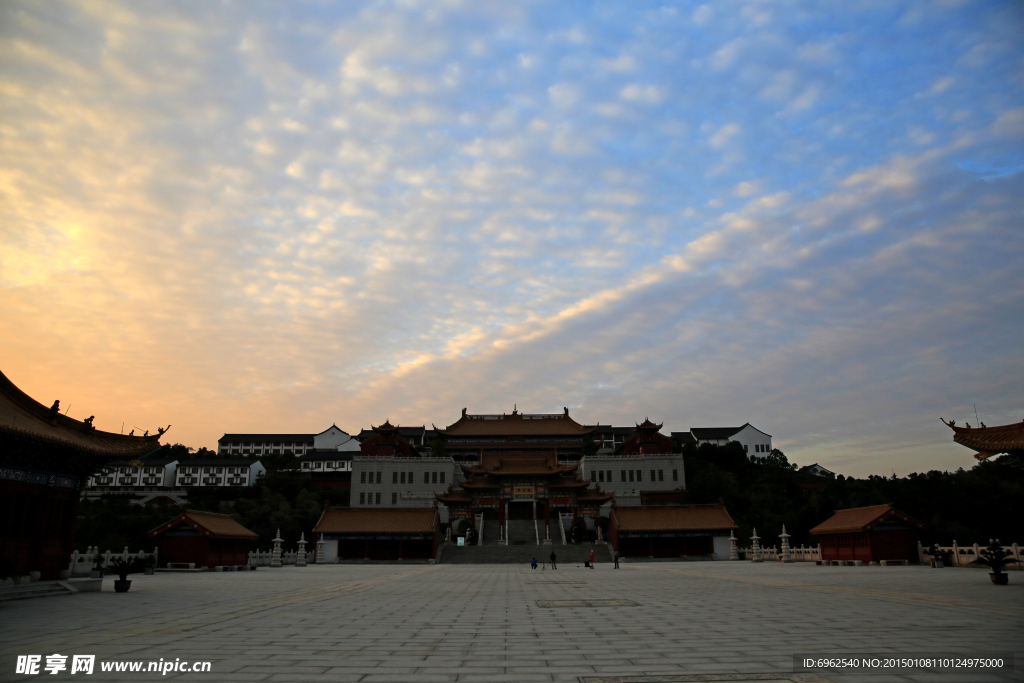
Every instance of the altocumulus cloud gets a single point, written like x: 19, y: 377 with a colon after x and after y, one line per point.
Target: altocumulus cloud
x: 269, y: 217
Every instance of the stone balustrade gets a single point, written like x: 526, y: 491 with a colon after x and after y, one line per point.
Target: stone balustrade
x: 82, y: 564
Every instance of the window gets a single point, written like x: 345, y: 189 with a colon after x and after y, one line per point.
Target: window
x: 661, y: 475
x: 318, y: 465
x: 433, y: 478
x: 624, y: 475
x: 394, y: 477
x: 410, y: 477
x: 600, y: 475
x: 608, y: 476
x: 639, y: 475
x: 653, y: 478
x: 426, y: 477
x: 745, y: 449
x: 394, y: 499
x: 329, y: 464
x: 675, y: 475
x: 442, y: 477
x: 362, y: 477
x: 220, y: 470
x: 379, y: 475
x: 362, y: 497
x: 378, y: 497
x: 305, y: 465
x: 631, y: 475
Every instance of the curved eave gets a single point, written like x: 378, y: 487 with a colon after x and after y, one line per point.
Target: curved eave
x: 149, y: 445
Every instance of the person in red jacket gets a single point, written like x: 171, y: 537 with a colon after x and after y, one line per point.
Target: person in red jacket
x: 591, y: 559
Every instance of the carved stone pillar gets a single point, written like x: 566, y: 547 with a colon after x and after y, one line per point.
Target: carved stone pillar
x: 756, y: 548
x: 300, y: 557
x: 275, y: 559
x: 786, y: 557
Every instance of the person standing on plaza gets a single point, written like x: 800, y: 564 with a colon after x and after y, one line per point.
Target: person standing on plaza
x: 553, y: 558
x: 616, y: 559
x: 591, y: 559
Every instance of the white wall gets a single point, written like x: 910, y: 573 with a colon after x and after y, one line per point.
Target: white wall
x: 334, y: 439
x: 751, y: 437
x: 721, y: 547
x: 330, y: 551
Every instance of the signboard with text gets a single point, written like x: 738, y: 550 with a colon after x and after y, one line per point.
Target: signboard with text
x: 524, y: 491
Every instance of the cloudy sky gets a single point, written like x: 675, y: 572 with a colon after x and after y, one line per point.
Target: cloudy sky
x: 240, y: 217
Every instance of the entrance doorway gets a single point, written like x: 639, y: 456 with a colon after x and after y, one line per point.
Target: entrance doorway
x: 520, y: 509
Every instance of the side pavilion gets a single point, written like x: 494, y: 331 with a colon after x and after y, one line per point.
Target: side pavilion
x: 379, y: 533
x: 868, y: 534
x: 205, y: 539
x: 671, y: 531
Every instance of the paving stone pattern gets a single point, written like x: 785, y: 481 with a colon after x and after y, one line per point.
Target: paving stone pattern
x: 483, y: 623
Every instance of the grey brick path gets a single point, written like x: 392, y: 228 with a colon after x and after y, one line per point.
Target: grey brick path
x: 483, y: 623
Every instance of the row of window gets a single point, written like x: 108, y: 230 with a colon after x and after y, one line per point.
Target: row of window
x: 635, y: 475
x: 266, y: 444
x: 761, y: 448
x: 368, y: 498
x: 215, y: 470
x: 329, y: 465
x: 401, y: 477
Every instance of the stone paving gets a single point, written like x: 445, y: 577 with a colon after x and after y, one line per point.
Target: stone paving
x: 484, y: 623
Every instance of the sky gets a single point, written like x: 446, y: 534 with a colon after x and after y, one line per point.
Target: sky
x: 272, y: 217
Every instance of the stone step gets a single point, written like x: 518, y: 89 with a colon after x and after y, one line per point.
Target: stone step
x: 522, y: 554
x: 42, y: 589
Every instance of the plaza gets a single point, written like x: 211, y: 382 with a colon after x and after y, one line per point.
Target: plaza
x: 667, y: 621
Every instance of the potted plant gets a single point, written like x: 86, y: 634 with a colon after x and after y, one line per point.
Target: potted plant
x: 995, y: 557
x: 97, y: 567
x: 123, y: 567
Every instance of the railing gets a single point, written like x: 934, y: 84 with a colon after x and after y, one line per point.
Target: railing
x: 480, y: 529
x: 561, y: 528
x: 82, y: 564
x: 964, y: 555
x: 262, y: 558
x: 536, y: 533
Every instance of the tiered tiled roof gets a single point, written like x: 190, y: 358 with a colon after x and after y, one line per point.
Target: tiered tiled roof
x: 989, y: 441
x: 542, y: 464
x: 861, y: 519
x: 210, y: 524
x: 24, y: 418
x: 515, y: 424
x: 673, y: 518
x: 377, y: 521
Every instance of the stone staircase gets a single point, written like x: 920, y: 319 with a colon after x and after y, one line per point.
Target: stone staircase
x: 491, y: 532
x: 521, y: 532
x: 568, y: 555
x: 40, y: 589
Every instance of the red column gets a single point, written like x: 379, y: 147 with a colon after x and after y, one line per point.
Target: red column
x: 547, y: 519
x: 575, y: 514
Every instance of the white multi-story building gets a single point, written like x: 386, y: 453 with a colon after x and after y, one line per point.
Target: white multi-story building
x: 123, y: 476
x: 231, y: 472
x: 754, y: 441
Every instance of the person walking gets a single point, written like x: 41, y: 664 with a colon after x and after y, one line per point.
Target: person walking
x: 616, y: 559
x: 591, y: 559
x: 533, y: 563
x: 553, y: 558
